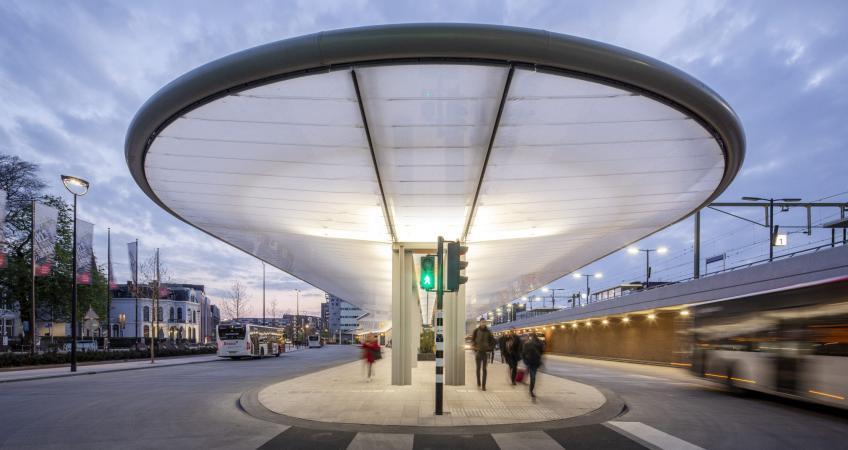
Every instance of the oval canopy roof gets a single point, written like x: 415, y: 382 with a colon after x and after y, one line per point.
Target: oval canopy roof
x: 544, y: 152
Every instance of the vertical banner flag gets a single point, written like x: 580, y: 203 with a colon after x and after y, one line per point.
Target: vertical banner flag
x: 85, y: 251
x: 111, y: 280
x: 132, y: 250
x: 45, y: 219
x: 2, y: 229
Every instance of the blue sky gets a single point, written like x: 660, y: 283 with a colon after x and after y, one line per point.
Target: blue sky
x: 73, y: 75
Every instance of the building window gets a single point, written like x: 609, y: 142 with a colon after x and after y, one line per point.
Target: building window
x: 115, y: 330
x: 146, y: 331
x: 159, y: 313
x: 171, y: 314
x: 179, y: 314
x: 146, y: 314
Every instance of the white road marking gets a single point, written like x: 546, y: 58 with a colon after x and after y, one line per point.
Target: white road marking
x: 376, y: 441
x: 653, y: 436
x: 537, y: 440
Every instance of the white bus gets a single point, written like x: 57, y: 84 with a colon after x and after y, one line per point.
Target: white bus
x: 237, y: 340
x: 314, y: 341
x: 792, y: 343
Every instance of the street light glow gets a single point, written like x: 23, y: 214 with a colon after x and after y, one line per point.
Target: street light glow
x: 599, y: 275
x: 545, y: 289
x: 662, y: 250
x: 577, y: 275
x: 632, y: 250
x: 75, y: 185
x: 625, y: 319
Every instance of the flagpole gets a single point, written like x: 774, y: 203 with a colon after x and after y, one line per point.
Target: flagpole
x: 108, y: 284
x: 32, y: 269
x: 154, y: 301
x: 135, y: 286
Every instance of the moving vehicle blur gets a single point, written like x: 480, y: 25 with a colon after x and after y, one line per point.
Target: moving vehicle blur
x: 791, y: 343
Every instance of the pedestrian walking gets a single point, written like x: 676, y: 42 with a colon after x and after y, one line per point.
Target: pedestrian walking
x: 502, y: 346
x: 482, y: 342
x: 511, y: 352
x: 370, y: 353
x: 531, y: 353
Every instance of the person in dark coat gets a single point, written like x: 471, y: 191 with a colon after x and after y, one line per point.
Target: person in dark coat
x: 511, y: 351
x: 482, y: 342
x: 531, y: 353
x: 502, y: 346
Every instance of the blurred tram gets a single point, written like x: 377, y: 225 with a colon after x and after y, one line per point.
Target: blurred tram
x: 792, y: 343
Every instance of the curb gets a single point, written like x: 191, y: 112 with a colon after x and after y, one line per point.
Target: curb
x: 93, y: 372
x: 613, y: 407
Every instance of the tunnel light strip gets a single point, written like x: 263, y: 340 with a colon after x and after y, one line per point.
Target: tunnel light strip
x: 825, y: 394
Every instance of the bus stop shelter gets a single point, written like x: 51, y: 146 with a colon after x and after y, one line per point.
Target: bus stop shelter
x: 339, y: 157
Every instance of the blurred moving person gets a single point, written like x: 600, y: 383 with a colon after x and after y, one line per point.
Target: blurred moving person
x: 370, y: 353
x: 511, y: 352
x: 531, y: 353
x: 482, y: 342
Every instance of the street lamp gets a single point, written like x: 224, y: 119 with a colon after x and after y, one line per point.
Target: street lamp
x: 771, y: 227
x: 635, y: 251
x: 122, y: 319
x: 587, y: 276
x: 77, y: 187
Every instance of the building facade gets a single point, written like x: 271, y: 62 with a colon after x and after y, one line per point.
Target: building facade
x: 342, y: 317
x: 182, y: 312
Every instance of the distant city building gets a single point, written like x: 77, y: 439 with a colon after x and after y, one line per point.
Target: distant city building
x: 184, y: 312
x: 341, y: 316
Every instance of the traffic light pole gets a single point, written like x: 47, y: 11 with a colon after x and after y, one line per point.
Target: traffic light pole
x: 440, y: 340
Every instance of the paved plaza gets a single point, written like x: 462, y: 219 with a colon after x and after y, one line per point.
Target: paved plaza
x: 342, y: 394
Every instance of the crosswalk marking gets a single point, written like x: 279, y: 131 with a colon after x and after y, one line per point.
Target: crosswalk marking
x: 653, y: 436
x: 379, y: 441
x: 537, y: 440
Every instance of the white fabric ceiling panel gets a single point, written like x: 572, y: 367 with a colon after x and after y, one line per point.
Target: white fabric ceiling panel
x: 578, y: 170
x: 284, y: 172
x: 430, y: 127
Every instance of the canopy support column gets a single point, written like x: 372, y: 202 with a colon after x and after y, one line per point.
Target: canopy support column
x: 455, y: 338
x: 406, y: 315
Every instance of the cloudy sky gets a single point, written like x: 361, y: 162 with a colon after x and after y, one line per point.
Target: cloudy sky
x: 73, y: 74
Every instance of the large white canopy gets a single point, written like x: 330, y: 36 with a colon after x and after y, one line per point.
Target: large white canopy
x: 539, y: 171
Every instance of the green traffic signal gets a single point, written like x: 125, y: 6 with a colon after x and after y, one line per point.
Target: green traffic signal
x: 428, y: 273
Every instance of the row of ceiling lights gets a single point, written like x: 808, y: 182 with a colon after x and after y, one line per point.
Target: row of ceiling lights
x: 588, y: 323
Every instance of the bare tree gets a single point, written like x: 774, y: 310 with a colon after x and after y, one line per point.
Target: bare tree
x: 274, y: 311
x: 235, y: 305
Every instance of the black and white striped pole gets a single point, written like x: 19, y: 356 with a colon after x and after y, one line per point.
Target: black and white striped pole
x: 440, y: 336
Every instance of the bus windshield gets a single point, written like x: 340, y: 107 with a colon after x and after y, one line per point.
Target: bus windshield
x: 231, y: 332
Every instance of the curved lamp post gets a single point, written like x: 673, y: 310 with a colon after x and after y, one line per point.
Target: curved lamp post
x: 78, y: 187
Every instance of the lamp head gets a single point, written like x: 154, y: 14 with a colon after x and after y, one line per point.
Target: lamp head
x: 74, y: 185
x: 754, y: 199
x: 545, y: 289
x: 662, y: 250
x: 632, y: 250
x: 577, y: 275
x: 599, y: 275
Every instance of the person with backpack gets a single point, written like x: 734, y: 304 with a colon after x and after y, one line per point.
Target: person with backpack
x: 531, y: 353
x: 483, y: 342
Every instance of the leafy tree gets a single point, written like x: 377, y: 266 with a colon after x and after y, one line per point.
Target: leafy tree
x: 53, y: 292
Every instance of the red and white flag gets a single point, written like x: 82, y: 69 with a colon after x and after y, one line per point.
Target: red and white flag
x: 45, y: 219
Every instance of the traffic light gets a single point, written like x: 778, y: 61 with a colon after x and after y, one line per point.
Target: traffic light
x: 428, y: 273
x: 455, y: 265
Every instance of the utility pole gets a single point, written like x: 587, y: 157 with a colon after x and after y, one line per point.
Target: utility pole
x: 263, y: 292
x: 155, y: 302
x: 696, y: 268
x: 108, y: 285
x: 32, y: 270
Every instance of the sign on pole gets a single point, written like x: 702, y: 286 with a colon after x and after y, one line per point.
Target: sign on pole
x: 85, y: 251
x: 45, y: 219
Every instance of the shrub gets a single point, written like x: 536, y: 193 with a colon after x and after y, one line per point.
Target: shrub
x: 54, y: 357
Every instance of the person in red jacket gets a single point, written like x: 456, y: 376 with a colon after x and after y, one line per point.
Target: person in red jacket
x: 370, y: 352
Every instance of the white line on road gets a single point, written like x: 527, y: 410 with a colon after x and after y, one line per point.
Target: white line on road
x: 537, y: 440
x: 374, y: 441
x: 652, y: 436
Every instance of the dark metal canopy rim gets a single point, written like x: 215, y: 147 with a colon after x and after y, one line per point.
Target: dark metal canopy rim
x: 444, y: 43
